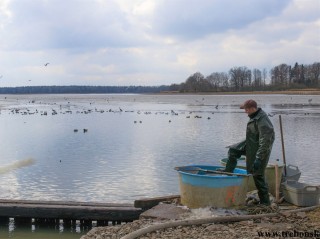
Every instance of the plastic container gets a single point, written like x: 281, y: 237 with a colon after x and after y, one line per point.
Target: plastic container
x: 269, y: 173
x: 293, y: 173
x: 300, y: 194
x: 199, y: 189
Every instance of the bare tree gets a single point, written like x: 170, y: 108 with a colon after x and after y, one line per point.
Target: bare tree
x: 264, y: 76
x: 280, y: 75
x: 240, y: 77
x: 314, y: 70
x: 217, y: 80
x: 256, y: 78
x: 195, y: 83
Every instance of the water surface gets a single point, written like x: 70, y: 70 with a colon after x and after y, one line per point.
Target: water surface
x: 133, y: 142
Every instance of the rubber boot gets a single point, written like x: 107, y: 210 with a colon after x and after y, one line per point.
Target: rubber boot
x: 233, y: 155
x: 231, y: 164
x: 263, y: 190
x: 264, y: 199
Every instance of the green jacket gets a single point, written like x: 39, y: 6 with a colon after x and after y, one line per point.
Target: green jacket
x: 259, y: 140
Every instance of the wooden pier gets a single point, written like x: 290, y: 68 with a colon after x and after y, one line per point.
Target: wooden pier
x: 28, y: 211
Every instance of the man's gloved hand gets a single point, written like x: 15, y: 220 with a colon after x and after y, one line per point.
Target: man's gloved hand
x: 256, y: 165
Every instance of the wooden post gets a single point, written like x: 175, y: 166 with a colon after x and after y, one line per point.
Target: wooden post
x: 4, y: 220
x: 276, y: 169
x: 101, y: 223
x: 22, y: 220
x: 86, y: 223
x: 67, y: 223
x: 282, y: 143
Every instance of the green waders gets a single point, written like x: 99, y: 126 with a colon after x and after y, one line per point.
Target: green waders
x: 235, y: 152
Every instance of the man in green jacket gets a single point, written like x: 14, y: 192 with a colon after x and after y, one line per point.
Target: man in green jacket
x: 257, y: 147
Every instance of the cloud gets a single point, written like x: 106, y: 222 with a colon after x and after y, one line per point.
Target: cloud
x: 40, y: 24
x: 150, y: 42
x: 276, y: 39
x: 195, y: 19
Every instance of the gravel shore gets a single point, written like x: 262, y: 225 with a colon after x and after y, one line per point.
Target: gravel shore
x: 290, y: 225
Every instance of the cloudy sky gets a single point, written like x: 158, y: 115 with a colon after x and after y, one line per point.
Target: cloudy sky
x: 150, y: 42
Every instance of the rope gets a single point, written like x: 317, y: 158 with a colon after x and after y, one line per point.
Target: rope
x: 152, y: 228
x: 261, y: 209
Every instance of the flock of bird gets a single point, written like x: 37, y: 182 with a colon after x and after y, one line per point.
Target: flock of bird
x: 52, y: 111
x: 68, y: 108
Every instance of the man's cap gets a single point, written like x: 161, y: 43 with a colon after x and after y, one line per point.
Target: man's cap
x: 248, y: 104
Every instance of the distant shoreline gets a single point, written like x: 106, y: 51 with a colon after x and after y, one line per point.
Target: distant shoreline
x: 285, y: 92
x: 311, y: 91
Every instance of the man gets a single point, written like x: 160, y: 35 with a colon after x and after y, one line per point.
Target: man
x: 257, y: 147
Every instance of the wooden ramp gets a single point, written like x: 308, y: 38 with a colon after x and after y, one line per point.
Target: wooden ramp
x: 68, y: 211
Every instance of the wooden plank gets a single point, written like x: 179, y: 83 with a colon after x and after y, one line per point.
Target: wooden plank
x: 71, y: 203
x: 147, y: 203
x: 69, y: 212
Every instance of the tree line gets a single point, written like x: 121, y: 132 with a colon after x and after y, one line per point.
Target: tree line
x: 280, y: 77
x: 75, y: 89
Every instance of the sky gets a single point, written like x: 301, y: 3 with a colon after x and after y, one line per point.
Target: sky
x: 150, y: 42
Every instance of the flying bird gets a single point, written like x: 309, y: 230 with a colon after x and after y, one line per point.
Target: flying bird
x: 46, y: 64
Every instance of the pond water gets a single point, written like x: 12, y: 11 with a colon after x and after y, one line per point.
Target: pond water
x: 118, y: 148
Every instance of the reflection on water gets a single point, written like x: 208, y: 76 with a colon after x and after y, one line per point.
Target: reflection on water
x: 33, y: 231
x: 133, y: 142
